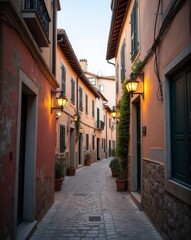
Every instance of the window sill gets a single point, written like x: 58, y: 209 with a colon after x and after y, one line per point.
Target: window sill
x: 181, y: 192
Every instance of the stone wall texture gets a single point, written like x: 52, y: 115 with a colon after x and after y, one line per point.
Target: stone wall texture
x: 171, y: 216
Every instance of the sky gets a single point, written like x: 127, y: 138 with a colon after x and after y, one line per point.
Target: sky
x: 87, y: 25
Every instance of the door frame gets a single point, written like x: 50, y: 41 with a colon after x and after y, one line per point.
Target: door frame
x: 27, y: 86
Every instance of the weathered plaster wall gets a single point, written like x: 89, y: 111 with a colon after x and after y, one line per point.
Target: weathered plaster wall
x: 16, y: 56
x: 171, y: 216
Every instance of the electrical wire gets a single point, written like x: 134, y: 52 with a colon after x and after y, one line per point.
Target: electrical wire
x: 156, y: 68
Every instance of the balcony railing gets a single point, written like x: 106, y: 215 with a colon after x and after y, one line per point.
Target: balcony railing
x: 37, y: 19
x: 100, y: 125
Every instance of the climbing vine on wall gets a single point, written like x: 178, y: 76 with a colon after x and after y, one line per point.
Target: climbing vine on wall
x: 122, y: 143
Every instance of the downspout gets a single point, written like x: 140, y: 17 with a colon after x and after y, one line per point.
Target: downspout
x: 54, y: 37
x: 111, y: 63
x: 106, y: 134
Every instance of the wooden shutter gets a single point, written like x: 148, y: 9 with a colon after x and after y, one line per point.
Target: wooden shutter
x: 181, y: 126
x: 63, y: 79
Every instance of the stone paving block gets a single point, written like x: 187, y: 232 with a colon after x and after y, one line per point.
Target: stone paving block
x: 92, y: 192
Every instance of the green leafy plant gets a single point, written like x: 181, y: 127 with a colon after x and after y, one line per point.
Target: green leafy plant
x: 60, y: 166
x: 115, y: 166
x: 137, y: 66
x: 113, y: 152
x: 122, y: 142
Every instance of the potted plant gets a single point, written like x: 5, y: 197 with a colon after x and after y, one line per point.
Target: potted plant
x: 87, y: 159
x: 60, y: 166
x: 123, y: 139
x: 71, y: 171
x: 114, y: 165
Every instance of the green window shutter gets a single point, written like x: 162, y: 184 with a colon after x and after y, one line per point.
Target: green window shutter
x: 117, y: 77
x: 93, y: 142
x: 87, y: 142
x: 80, y: 99
x: 62, y: 138
x: 181, y: 127
x: 72, y: 91
x: 86, y: 104
x: 123, y: 62
x: 134, y: 29
x: 63, y: 79
x: 93, y: 108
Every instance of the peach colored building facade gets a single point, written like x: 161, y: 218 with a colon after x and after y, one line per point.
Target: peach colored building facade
x: 27, y: 128
x: 106, y: 87
x: 156, y: 34
x: 81, y: 96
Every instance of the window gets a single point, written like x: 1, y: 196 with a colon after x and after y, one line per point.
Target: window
x: 117, y: 77
x: 180, y: 105
x: 86, y: 104
x: 72, y: 91
x: 93, y: 108
x: 93, y: 142
x: 134, y: 30
x: 123, y: 61
x: 92, y: 80
x: 101, y: 87
x: 80, y: 99
x: 87, y: 142
x: 63, y: 79
x: 62, y: 138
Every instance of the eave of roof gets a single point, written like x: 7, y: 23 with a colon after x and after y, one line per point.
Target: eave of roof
x: 68, y: 52
x: 112, y: 78
x: 118, y: 16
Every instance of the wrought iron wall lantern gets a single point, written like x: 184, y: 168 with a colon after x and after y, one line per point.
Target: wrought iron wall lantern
x: 114, y: 113
x: 132, y: 84
x: 61, y: 102
x: 75, y: 118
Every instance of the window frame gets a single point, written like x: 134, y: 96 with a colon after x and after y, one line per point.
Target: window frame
x: 176, y: 189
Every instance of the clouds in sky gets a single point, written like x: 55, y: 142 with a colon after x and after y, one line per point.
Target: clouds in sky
x: 87, y: 24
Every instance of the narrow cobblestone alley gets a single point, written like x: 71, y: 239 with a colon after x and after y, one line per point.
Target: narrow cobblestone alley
x: 89, y: 207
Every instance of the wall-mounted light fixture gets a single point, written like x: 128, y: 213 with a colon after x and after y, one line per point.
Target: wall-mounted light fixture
x: 75, y: 117
x: 132, y: 84
x: 58, y: 114
x: 61, y: 100
x: 115, y: 114
x: 81, y: 130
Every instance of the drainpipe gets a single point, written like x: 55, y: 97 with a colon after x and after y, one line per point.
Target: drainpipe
x: 54, y: 37
x: 106, y: 133
x: 111, y: 63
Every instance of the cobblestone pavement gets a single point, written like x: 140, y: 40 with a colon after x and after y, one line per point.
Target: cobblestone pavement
x: 89, y: 207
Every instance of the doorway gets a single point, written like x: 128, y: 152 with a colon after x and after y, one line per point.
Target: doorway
x: 72, y: 147
x: 138, y: 144
x: 98, y: 149
x: 26, y: 161
x: 21, y: 171
x: 80, y: 150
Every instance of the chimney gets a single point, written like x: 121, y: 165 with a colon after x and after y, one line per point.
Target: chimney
x: 84, y: 64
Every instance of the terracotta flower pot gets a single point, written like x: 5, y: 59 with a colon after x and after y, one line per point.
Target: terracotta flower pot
x: 71, y: 171
x: 113, y: 172
x: 58, y: 184
x: 88, y: 162
x: 121, y: 184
